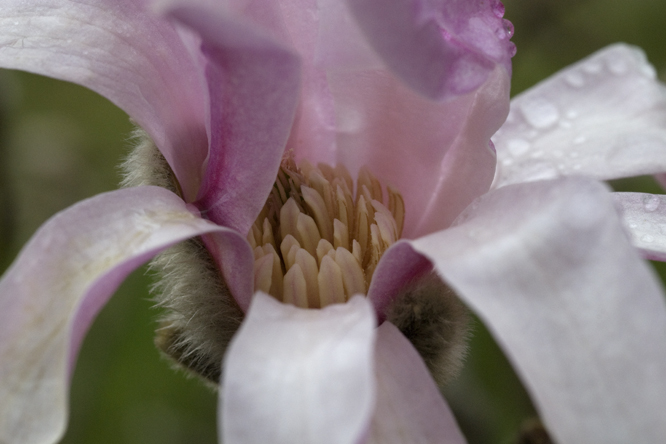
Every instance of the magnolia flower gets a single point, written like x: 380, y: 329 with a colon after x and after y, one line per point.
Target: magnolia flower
x: 413, y: 90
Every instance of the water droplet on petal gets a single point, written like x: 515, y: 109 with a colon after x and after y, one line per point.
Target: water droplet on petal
x: 575, y: 79
x: 507, y: 162
x: 508, y: 27
x: 648, y: 71
x: 580, y: 139
x: 540, y: 113
x: 592, y: 67
x: 651, y: 202
x: 618, y: 67
x: 647, y: 238
x: 498, y: 9
x: 511, y: 49
x: 565, y: 124
x: 518, y: 147
x: 572, y: 114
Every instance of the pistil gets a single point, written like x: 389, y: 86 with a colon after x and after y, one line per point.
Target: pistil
x: 315, y: 242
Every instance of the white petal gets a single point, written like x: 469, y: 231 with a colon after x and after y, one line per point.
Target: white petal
x: 299, y: 376
x: 644, y: 217
x: 410, y: 408
x: 548, y: 268
x: 55, y: 288
x: 602, y: 117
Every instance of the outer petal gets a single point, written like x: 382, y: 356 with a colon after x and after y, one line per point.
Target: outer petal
x: 118, y: 49
x: 410, y: 408
x: 299, y: 376
x: 604, y: 117
x: 60, y: 281
x: 549, y: 269
x: 253, y: 82
x: 436, y: 154
x: 644, y: 217
x: 440, y: 48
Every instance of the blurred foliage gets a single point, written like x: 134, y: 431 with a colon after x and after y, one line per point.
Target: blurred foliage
x: 60, y: 143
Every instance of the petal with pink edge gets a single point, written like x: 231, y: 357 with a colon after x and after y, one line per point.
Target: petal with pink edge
x: 549, y: 269
x: 436, y: 154
x: 644, y: 217
x: 125, y: 53
x: 253, y: 83
x: 410, y: 408
x: 441, y: 49
x: 56, y: 287
x: 604, y: 117
x: 299, y: 376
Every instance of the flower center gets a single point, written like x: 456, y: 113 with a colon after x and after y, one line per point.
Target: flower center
x: 314, y: 243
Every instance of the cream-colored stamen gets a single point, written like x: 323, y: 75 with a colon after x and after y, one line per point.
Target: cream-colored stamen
x: 316, y: 244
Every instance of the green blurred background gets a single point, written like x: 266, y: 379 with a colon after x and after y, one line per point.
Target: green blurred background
x: 60, y: 143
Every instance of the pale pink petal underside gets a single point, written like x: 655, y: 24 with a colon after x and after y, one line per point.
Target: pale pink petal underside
x: 548, y: 268
x: 56, y: 287
x: 410, y: 408
x: 436, y: 154
x: 299, y: 376
x: 126, y: 54
x: 604, y: 117
x: 441, y: 49
x: 644, y: 217
x: 253, y: 82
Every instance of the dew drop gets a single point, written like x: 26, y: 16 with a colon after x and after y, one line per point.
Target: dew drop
x: 540, y: 113
x: 508, y: 27
x: 618, y: 67
x: 592, y: 67
x: 647, y: 238
x: 651, y: 203
x: 575, y: 79
x: 498, y: 9
x: 507, y: 162
x: 511, y: 49
x: 572, y: 114
x: 648, y: 71
x: 580, y: 139
x: 565, y: 124
x: 518, y: 147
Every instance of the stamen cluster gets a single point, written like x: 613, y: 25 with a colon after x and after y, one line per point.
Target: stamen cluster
x: 316, y: 244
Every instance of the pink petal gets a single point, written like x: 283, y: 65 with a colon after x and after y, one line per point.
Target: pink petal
x: 123, y: 52
x: 436, y: 154
x: 399, y: 265
x: 548, y: 268
x: 602, y: 117
x: 299, y: 376
x: 410, y: 408
x: 58, y: 284
x: 644, y: 218
x: 253, y: 84
x: 442, y: 48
